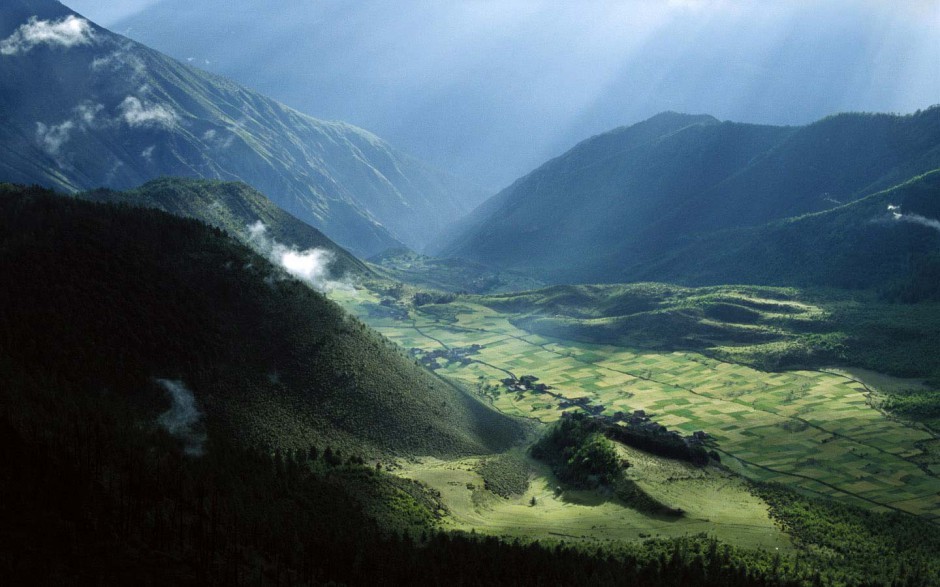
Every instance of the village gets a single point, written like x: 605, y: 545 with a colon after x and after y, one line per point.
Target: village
x: 637, y: 423
x: 459, y: 355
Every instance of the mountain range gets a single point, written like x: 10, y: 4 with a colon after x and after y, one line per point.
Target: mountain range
x: 627, y: 204
x: 85, y: 108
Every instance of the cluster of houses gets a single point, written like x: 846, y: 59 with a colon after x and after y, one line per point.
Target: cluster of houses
x: 526, y: 383
x: 638, y: 420
x: 452, y: 355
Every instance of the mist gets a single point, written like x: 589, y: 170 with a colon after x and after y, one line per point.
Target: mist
x: 182, y: 419
x: 490, y: 90
x: 913, y: 218
x: 311, y: 266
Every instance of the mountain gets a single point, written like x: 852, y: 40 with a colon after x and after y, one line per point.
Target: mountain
x: 857, y: 245
x: 85, y: 108
x: 610, y: 207
x: 492, y: 90
x: 114, y: 299
x: 232, y: 206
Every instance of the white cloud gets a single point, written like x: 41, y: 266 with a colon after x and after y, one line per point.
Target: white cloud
x: 311, y: 266
x: 67, y: 32
x: 137, y: 113
x: 52, y: 137
x: 120, y: 59
x: 913, y: 218
x: 148, y: 153
x: 87, y: 111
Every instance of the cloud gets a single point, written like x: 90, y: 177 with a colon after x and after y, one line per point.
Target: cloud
x: 148, y: 153
x: 211, y: 138
x: 87, y: 112
x: 311, y: 265
x: 67, y: 32
x: 913, y: 218
x: 137, y: 113
x: 182, y: 419
x: 121, y: 59
x: 52, y: 137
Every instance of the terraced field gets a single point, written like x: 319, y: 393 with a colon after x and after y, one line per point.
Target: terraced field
x: 812, y: 429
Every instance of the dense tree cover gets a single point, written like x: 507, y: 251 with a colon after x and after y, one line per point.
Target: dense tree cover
x: 105, y: 297
x: 231, y: 206
x: 922, y: 284
x: 922, y: 405
x: 580, y: 454
x: 857, y: 546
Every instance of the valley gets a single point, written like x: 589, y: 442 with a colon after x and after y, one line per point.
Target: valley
x: 815, y: 430
x: 242, y: 344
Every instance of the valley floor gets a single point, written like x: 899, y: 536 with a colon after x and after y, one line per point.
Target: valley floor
x: 814, y: 430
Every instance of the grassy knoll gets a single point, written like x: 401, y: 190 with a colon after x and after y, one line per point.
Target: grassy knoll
x: 717, y: 503
x: 808, y: 429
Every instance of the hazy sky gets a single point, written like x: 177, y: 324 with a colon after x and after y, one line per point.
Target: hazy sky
x: 492, y: 89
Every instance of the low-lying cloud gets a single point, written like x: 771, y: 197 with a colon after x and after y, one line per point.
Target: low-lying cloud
x: 52, y: 137
x: 182, y: 419
x: 67, y: 32
x: 123, y: 59
x: 311, y: 265
x: 913, y: 218
x: 138, y: 113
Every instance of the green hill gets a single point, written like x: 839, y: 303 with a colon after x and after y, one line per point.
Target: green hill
x: 614, y: 206
x: 106, y: 111
x: 101, y: 298
x: 231, y: 206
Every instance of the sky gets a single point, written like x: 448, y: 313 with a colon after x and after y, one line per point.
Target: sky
x: 491, y: 89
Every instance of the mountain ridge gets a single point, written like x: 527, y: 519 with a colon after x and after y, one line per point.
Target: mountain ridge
x: 621, y: 199
x: 105, y: 111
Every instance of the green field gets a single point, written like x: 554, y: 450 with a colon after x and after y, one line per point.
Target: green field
x: 715, y: 502
x: 813, y: 430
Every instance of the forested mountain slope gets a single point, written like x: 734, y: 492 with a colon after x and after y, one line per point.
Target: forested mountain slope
x: 234, y: 207
x: 101, y: 299
x: 622, y: 200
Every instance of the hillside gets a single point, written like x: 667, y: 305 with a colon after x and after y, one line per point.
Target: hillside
x: 231, y: 206
x: 85, y: 108
x: 108, y: 299
x: 858, y: 245
x: 610, y: 207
